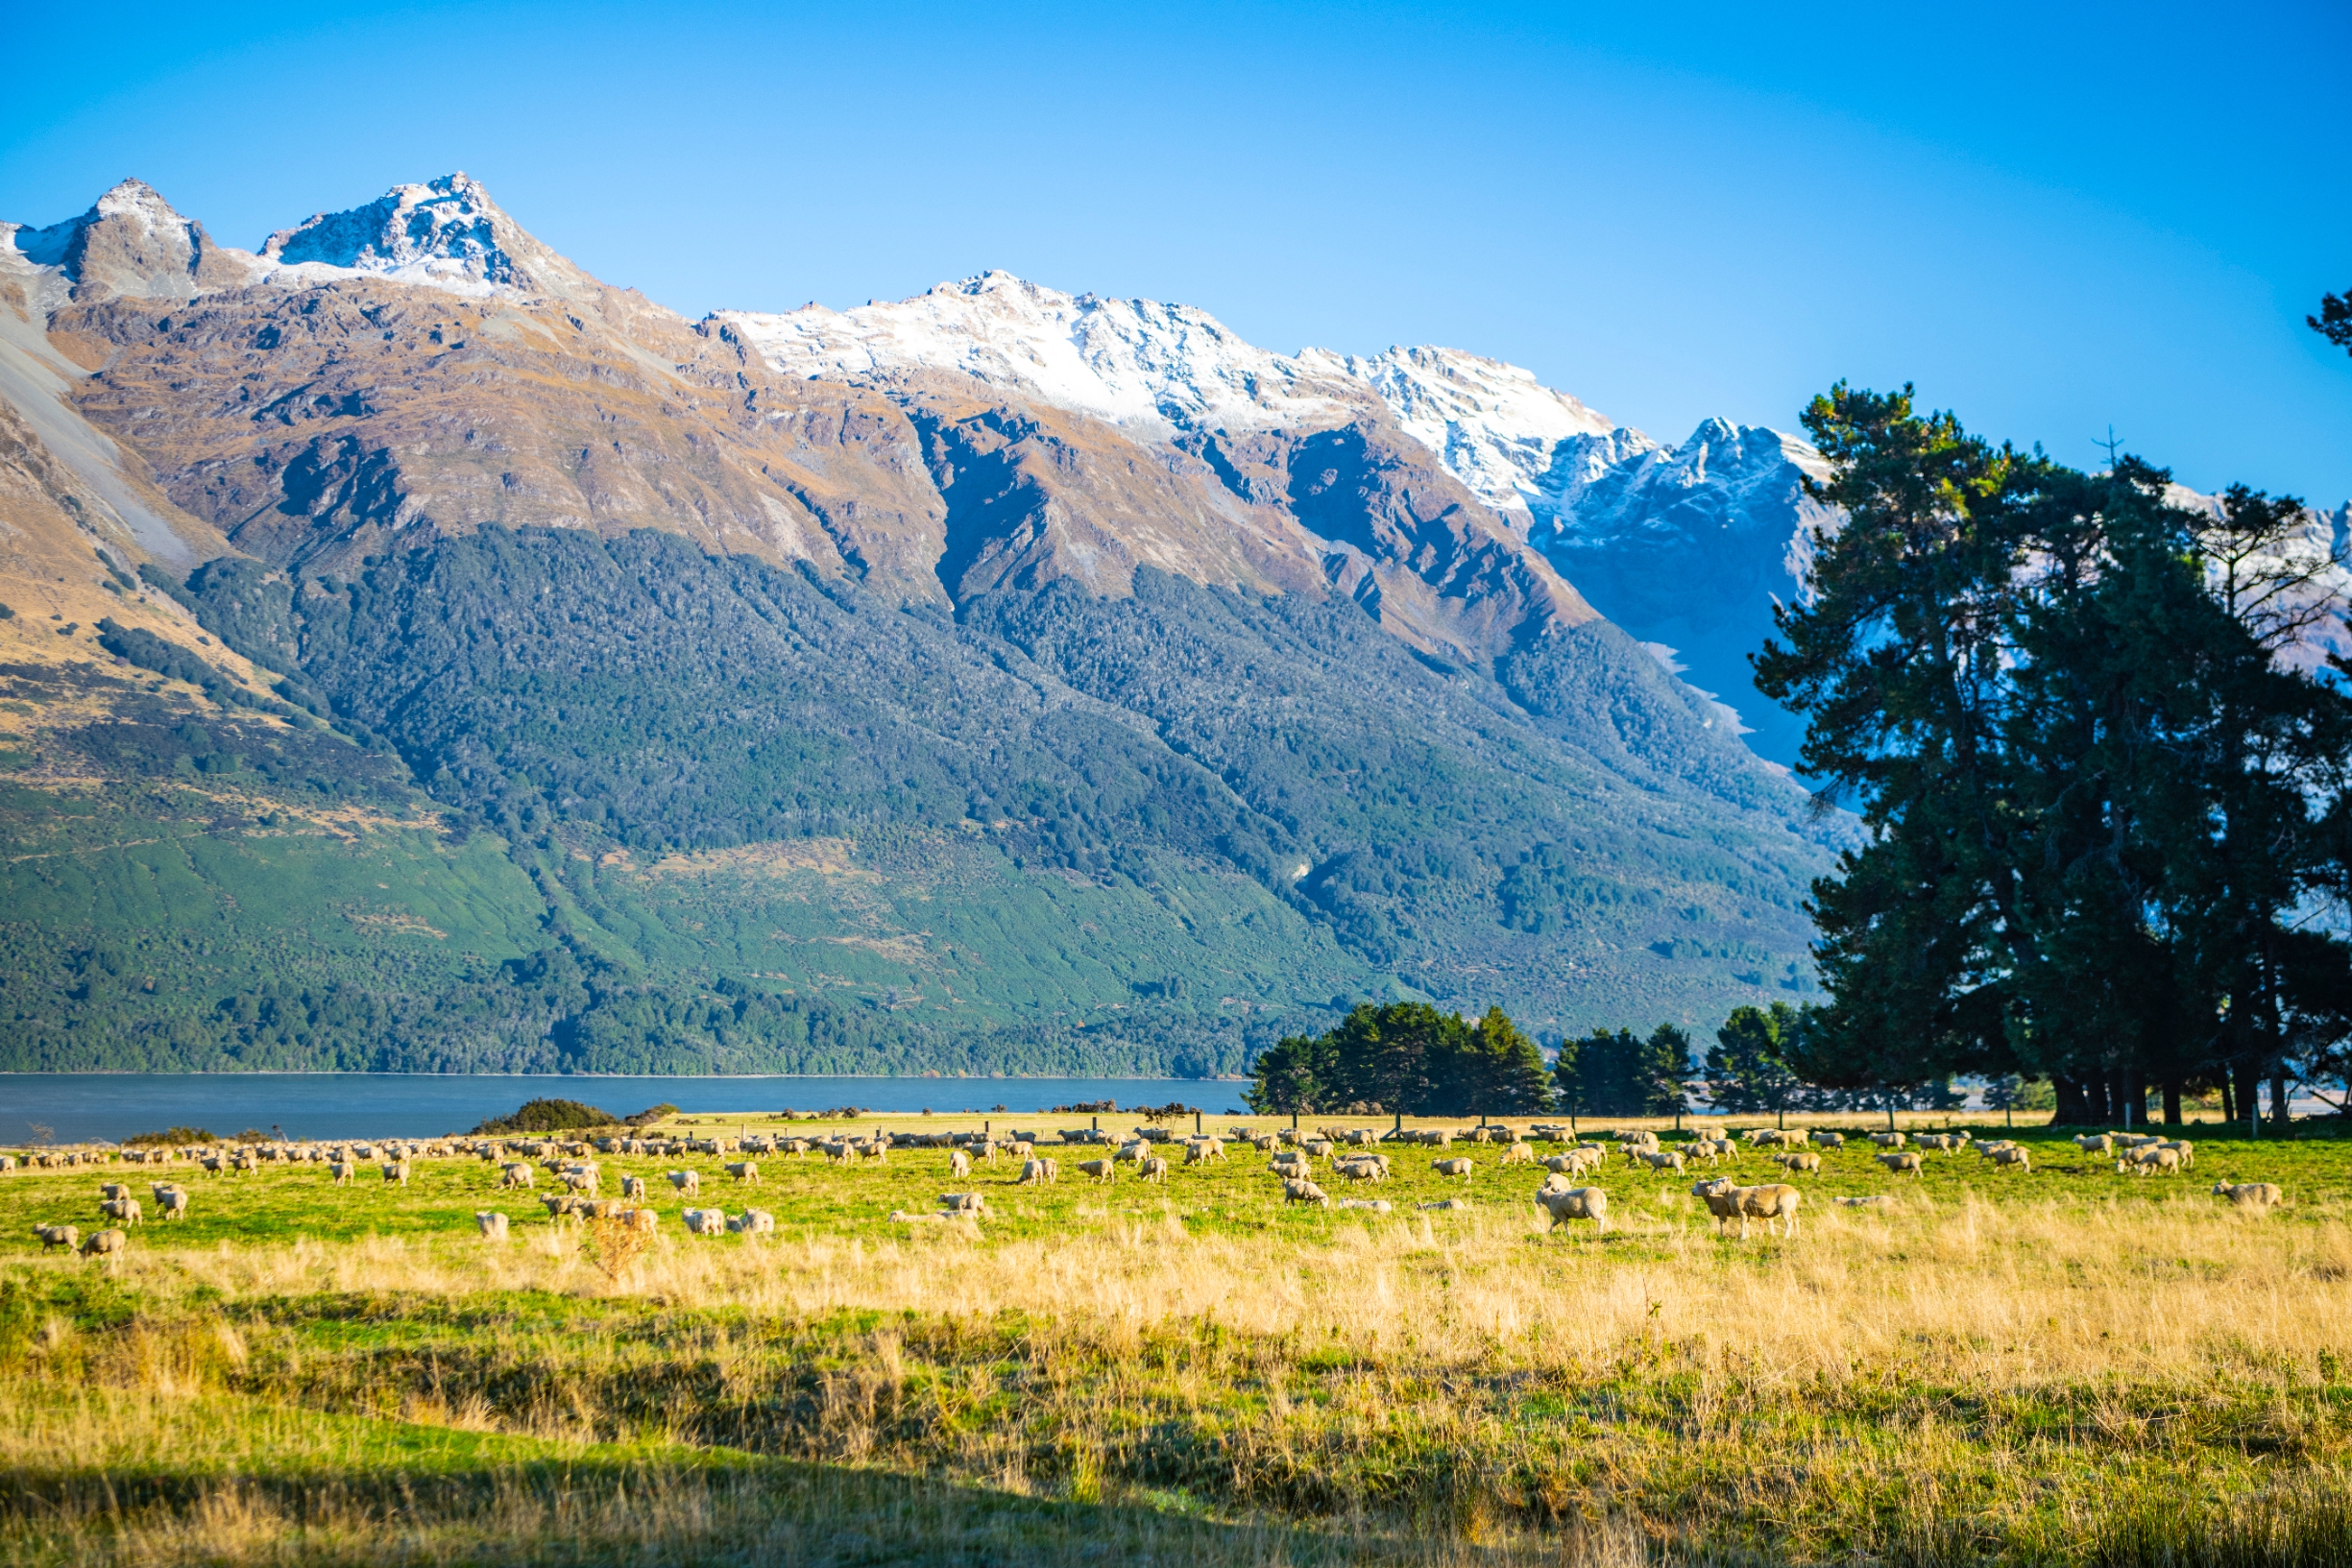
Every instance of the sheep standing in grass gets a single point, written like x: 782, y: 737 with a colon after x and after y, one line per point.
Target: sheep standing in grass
x: 53, y: 1237
x: 688, y: 1183
x: 123, y: 1211
x: 1888, y: 1140
x: 1099, y: 1169
x: 1662, y: 1159
x: 2182, y: 1147
x: 516, y: 1175
x: 396, y: 1174
x: 491, y: 1225
x: 1517, y: 1154
x: 1806, y: 1161
x: 1771, y: 1202
x: 1151, y: 1168
x: 1901, y: 1160
x: 102, y: 1243
x: 1567, y: 1203
x: 753, y: 1222
x: 1452, y: 1168
x: 342, y: 1171
x: 959, y: 1164
x: 633, y: 1187
x: 2148, y: 1160
x: 2012, y: 1157
x: 1305, y: 1192
x: 1034, y: 1172
x: 2094, y: 1143
x: 704, y: 1221
x: 744, y: 1170
x: 2260, y: 1196
x: 171, y: 1202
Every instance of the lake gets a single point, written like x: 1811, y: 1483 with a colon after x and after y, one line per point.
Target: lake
x: 84, y: 1107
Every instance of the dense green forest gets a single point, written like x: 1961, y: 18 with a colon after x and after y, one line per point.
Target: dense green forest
x: 551, y: 802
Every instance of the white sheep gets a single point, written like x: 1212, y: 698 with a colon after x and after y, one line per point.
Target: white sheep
x: 1902, y: 1160
x: 1806, y: 1161
x: 491, y: 1225
x: 689, y: 1183
x: 2258, y: 1196
x: 1452, y: 1168
x: 1567, y: 1203
x: 1153, y: 1168
x: 1036, y: 1173
x: 1373, y: 1205
x: 959, y: 1164
x: 704, y: 1221
x: 1099, y: 1169
x: 1304, y: 1192
x: 753, y: 1222
x: 2013, y: 1155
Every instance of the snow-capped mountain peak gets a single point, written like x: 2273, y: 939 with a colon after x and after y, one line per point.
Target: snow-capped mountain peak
x: 446, y: 233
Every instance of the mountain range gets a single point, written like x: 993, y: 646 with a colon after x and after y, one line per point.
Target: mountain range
x: 422, y: 654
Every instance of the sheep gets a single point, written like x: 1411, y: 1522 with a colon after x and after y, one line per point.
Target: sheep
x: 102, y: 1243
x: 2148, y: 1161
x: 109, y: 1191
x: 1567, y: 1203
x: 2011, y: 1156
x: 342, y: 1171
x: 1203, y: 1151
x: 1305, y: 1192
x: 490, y: 1224
x: 1452, y: 1168
x: 1830, y: 1140
x: 171, y: 1202
x: 1360, y: 1169
x: 1807, y: 1162
x: 1902, y: 1160
x: 1448, y: 1205
x: 1517, y: 1154
x: 1771, y: 1202
x: 396, y: 1174
x: 753, y: 1222
x: 57, y: 1236
x: 644, y: 1219
x: 1664, y: 1160
x: 579, y: 1180
x: 744, y: 1170
x: 1888, y: 1140
x: 515, y: 1175
x: 965, y: 1202
x: 1372, y: 1205
x: 1942, y: 1142
x: 704, y: 1221
x: 562, y: 1205
x: 1034, y: 1172
x: 122, y: 1210
x: 1151, y: 1168
x: 959, y: 1164
x: 2184, y: 1148
x: 2257, y: 1196
x: 1100, y: 1170
x: 633, y: 1187
x: 689, y: 1183
x: 1020, y: 1148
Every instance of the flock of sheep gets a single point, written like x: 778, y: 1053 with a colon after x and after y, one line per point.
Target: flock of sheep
x: 1350, y: 1155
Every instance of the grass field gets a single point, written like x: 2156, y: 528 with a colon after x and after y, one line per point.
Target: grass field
x: 2064, y: 1367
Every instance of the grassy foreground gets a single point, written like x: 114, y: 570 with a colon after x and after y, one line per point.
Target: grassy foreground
x: 2066, y: 1367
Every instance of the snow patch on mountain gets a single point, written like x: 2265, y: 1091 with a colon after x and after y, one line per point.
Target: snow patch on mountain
x: 446, y: 233
x: 1133, y: 362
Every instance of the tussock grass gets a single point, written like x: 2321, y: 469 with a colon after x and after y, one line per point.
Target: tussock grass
x: 2073, y: 1370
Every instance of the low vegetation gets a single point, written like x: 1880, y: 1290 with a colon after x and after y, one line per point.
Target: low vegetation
x: 2064, y: 1364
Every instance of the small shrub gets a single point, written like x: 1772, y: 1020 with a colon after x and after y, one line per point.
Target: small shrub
x: 169, y: 1138
x: 549, y: 1116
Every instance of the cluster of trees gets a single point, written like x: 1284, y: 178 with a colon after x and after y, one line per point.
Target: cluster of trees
x: 2102, y: 761
x: 1406, y: 1058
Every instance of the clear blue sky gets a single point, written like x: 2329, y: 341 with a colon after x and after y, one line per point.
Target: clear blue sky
x: 2051, y: 217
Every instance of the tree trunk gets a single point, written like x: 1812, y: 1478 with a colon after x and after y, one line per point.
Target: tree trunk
x: 2230, y: 1098
x: 2172, y: 1102
x: 2073, y: 1103
x: 2278, y: 1099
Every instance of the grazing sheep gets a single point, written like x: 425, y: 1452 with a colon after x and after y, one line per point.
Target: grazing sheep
x: 491, y: 1225
x: 580, y: 1181
x: 644, y: 1219
x: 1360, y: 1169
x: 1662, y: 1159
x: 397, y: 1172
x: 1567, y: 1203
x: 1452, y: 1168
x: 1304, y: 1192
x: 1099, y: 1169
x: 342, y: 1171
x: 57, y: 1236
x: 2148, y: 1161
x: 1132, y: 1152
x: 633, y: 1187
x: 102, y: 1243
x: 689, y: 1183
x: 515, y: 1175
x: 2184, y: 1148
x: 1942, y: 1142
x: 1203, y: 1151
x: 1720, y: 1195
x: 744, y: 1170
x: 1517, y: 1154
x: 963, y: 1202
x: 1151, y: 1168
x: 1771, y: 1202
x: 704, y: 1221
x: 171, y: 1202
x: 1373, y: 1205
x: 1888, y: 1140
x: 959, y: 1164
x: 753, y: 1222
x: 8, y: 1162
x: 1830, y: 1140
x: 1807, y: 1162
x: 1020, y: 1148
x: 122, y: 1210
x: 109, y: 1191
x: 2094, y: 1143
x: 1034, y: 1172
x: 2257, y: 1196
x: 2013, y: 1155
x: 562, y: 1205
x: 1902, y: 1160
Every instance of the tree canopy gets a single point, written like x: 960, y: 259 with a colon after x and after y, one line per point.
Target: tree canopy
x: 1406, y: 1058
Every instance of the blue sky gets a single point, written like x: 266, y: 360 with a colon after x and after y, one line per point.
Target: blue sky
x: 2051, y: 218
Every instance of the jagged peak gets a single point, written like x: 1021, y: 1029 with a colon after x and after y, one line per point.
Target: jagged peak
x: 446, y: 233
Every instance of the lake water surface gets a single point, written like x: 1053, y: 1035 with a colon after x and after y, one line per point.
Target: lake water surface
x: 82, y: 1107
